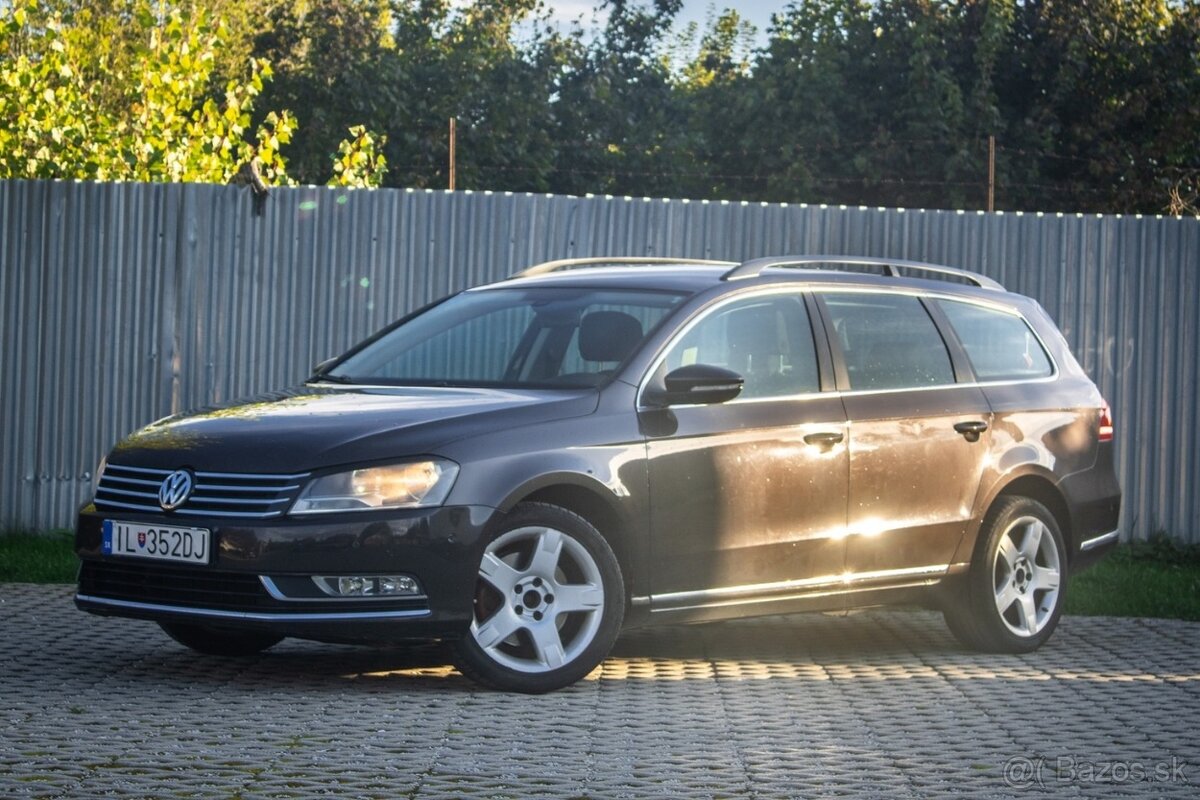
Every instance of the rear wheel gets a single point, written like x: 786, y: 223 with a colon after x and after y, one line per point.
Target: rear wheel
x: 1011, y: 599
x: 215, y: 641
x: 549, y: 602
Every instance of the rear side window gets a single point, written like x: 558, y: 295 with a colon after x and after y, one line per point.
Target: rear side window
x: 888, y: 341
x: 1000, y: 345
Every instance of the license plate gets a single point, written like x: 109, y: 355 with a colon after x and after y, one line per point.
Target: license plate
x: 158, y: 542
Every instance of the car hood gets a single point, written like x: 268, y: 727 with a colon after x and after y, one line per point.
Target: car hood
x: 313, y: 427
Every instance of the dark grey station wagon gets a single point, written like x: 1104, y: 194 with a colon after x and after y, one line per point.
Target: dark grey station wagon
x: 523, y: 468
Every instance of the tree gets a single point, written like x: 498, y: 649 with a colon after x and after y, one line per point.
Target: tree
x: 1095, y: 104
x: 90, y: 94
x: 712, y: 73
x: 619, y: 124
x: 72, y: 110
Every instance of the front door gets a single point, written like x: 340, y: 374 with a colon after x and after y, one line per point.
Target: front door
x: 748, y: 497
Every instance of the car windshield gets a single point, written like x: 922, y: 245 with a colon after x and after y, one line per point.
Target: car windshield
x: 545, y: 337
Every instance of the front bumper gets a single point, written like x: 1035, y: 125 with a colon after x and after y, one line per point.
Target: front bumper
x: 250, y: 581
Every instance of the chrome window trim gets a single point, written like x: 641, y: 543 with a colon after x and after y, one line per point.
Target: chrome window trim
x: 944, y: 386
x: 256, y: 616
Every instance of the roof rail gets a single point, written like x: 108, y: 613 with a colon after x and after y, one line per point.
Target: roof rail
x: 754, y: 267
x: 568, y: 263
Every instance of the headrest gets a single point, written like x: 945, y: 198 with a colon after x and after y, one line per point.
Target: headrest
x: 608, y: 335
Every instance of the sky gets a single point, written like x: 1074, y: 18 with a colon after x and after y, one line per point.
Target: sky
x: 757, y: 12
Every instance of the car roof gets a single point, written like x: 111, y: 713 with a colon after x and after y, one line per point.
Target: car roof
x: 691, y: 278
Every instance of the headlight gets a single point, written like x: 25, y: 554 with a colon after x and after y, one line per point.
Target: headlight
x: 410, y: 485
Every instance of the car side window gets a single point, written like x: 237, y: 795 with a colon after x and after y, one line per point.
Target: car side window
x: 1001, y: 346
x: 765, y: 339
x: 888, y: 341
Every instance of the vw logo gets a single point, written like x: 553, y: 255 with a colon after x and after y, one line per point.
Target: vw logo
x: 175, y: 489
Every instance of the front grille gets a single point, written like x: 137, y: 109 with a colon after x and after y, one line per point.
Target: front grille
x: 175, y: 586
x: 216, y: 494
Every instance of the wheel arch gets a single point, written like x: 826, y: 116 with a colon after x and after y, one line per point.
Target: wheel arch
x: 1037, y: 486
x: 597, y: 504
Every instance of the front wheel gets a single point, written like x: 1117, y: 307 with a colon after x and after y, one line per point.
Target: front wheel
x: 1011, y: 599
x: 216, y: 641
x: 549, y: 602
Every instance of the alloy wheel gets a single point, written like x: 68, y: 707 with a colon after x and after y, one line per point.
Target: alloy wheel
x: 539, y: 599
x: 1026, y: 575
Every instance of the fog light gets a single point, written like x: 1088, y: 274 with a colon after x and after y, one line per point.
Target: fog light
x: 395, y: 584
x: 354, y: 586
x: 367, y: 585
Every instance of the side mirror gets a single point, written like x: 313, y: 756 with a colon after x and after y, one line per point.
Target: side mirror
x: 697, y: 384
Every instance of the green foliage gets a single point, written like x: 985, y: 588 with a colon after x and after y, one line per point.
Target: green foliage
x: 1095, y: 106
x: 115, y: 90
x: 357, y: 164
x: 70, y: 109
x: 1159, y: 578
x: 621, y: 125
x: 37, y: 557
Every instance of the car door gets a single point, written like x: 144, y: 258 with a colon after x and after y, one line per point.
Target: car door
x: 918, y: 434
x: 748, y: 497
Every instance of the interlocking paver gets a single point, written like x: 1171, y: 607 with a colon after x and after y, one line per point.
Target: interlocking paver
x: 881, y: 705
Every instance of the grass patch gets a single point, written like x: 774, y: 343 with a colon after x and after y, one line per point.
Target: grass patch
x: 1146, y: 579
x: 37, y: 557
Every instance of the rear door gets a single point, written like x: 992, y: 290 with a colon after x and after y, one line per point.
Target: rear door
x: 918, y: 434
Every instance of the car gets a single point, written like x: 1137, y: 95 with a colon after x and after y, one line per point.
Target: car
x: 525, y: 468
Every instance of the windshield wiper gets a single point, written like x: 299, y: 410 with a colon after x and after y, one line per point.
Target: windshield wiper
x: 327, y: 378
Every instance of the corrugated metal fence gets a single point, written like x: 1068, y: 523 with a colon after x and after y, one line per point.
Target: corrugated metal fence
x: 121, y: 303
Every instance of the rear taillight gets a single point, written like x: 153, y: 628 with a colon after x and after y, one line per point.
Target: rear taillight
x: 1106, y: 422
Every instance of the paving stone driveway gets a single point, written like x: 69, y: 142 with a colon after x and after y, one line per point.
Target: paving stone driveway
x: 882, y: 705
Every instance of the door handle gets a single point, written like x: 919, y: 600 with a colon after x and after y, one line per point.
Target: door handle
x: 971, y: 429
x: 824, y: 438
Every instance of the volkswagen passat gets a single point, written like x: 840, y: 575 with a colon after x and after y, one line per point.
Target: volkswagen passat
x: 523, y: 468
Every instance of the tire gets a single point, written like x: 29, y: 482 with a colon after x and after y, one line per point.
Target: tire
x: 549, y: 603
x: 1011, y: 599
x: 220, y: 641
